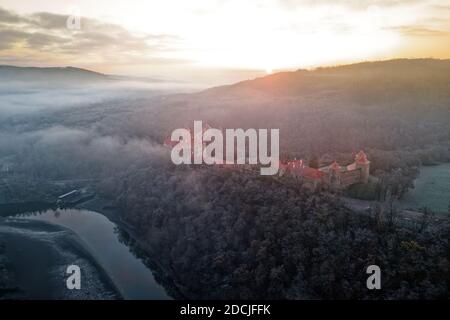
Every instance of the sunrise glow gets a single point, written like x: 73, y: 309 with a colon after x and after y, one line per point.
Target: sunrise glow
x: 179, y: 39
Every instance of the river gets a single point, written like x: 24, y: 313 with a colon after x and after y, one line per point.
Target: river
x: 431, y: 190
x: 133, y: 279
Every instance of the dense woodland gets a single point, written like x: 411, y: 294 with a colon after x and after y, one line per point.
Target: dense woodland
x: 231, y: 234
x: 221, y: 233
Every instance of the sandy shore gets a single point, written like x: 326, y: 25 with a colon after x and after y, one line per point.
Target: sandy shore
x: 34, y: 256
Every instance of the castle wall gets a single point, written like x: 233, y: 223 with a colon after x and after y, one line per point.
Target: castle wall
x: 350, y: 177
x: 364, y: 168
x: 336, y: 176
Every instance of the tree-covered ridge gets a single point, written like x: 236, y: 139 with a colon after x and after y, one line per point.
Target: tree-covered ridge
x: 221, y: 233
x: 230, y: 234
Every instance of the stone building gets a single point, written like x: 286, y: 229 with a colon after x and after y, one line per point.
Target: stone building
x: 334, y: 175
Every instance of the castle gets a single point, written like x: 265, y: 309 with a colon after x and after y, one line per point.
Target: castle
x: 333, y: 176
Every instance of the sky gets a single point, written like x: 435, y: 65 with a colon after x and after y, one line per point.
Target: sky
x: 218, y: 40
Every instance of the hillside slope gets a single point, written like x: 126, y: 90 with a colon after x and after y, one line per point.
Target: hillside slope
x: 13, y: 73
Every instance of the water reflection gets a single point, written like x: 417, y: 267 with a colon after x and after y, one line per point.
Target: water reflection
x: 114, y: 250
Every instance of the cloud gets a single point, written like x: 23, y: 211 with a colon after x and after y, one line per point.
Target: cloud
x: 418, y: 31
x: 34, y: 40
x: 40, y: 35
x: 48, y: 20
x: 282, y: 34
x: 354, y: 4
x: 9, y: 17
x: 442, y: 7
x: 10, y: 37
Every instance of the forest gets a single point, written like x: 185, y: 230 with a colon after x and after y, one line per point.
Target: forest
x: 230, y: 233
x: 225, y: 233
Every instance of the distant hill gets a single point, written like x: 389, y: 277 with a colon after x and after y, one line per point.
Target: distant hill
x: 385, y: 105
x: 365, y: 77
x: 65, y: 74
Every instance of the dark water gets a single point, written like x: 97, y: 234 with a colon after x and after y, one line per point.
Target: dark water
x: 133, y: 279
x: 431, y: 190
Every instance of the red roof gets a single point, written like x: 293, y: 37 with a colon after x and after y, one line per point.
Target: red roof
x: 361, y: 157
x: 298, y: 168
x: 335, y: 166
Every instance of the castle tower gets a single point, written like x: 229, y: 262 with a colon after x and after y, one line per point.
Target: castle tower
x: 362, y: 163
x: 335, y: 174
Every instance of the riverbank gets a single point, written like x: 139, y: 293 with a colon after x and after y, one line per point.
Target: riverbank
x: 137, y: 246
x: 431, y: 190
x: 35, y: 256
x: 97, y: 224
